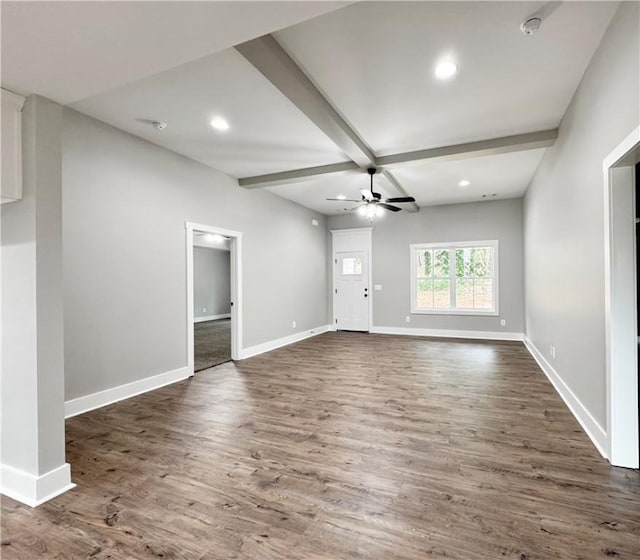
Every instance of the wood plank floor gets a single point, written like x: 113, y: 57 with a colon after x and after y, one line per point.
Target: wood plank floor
x: 343, y: 446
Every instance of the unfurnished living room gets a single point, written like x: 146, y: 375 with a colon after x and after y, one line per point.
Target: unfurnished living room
x: 320, y: 280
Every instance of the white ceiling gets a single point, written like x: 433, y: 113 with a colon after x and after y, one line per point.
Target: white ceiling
x: 67, y: 51
x: 437, y: 182
x: 375, y: 62
x: 171, y: 61
x: 267, y: 132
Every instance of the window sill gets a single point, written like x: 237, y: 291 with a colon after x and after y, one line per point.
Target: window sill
x: 471, y: 312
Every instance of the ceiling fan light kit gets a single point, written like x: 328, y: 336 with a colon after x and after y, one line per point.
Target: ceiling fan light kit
x: 372, y: 206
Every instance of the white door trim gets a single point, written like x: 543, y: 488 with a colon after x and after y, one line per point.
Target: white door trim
x: 621, y: 345
x: 368, y: 247
x: 236, y: 288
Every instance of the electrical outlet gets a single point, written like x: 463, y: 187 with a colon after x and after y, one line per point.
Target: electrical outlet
x: 293, y: 325
x: 503, y: 323
x: 552, y: 351
x: 204, y: 309
x: 377, y: 287
x: 408, y: 318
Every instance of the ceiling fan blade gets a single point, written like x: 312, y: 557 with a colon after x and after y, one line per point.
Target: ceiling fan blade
x: 344, y: 199
x: 376, y: 195
x: 401, y: 199
x: 358, y: 206
x: 366, y: 195
x: 389, y: 207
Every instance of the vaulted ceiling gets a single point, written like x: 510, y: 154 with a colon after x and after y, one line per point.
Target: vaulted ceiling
x: 315, y: 92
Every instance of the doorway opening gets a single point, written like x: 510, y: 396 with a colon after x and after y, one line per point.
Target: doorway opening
x: 214, y: 300
x: 211, y: 300
x: 621, y: 302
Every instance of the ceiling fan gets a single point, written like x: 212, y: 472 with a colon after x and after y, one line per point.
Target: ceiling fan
x: 372, y: 204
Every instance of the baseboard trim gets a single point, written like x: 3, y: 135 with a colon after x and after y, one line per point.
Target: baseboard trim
x: 280, y: 342
x: 34, y: 490
x: 596, y: 433
x: 444, y: 333
x: 211, y: 318
x: 80, y: 405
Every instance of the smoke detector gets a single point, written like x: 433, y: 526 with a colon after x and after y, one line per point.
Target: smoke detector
x: 531, y: 25
x: 159, y: 125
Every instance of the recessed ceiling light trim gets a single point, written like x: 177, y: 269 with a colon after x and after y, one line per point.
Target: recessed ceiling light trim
x: 464, y: 183
x: 446, y: 69
x: 219, y: 123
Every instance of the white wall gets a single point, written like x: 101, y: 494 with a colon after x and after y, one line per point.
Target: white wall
x: 125, y: 202
x: 211, y: 282
x: 392, y: 235
x: 564, y: 213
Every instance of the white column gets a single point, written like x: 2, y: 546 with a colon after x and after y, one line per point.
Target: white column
x: 32, y: 381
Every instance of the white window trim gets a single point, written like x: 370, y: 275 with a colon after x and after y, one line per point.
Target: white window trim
x: 415, y: 310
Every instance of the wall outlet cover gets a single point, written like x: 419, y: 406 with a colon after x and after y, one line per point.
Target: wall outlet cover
x: 377, y: 287
x: 293, y: 325
x: 408, y: 318
x: 503, y: 323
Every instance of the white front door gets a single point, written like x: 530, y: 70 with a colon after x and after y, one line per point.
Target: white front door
x: 352, y: 291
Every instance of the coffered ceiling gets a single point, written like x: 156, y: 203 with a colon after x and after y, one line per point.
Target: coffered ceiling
x: 332, y: 85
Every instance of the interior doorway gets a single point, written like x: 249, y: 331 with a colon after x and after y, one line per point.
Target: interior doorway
x: 214, y: 297
x: 211, y: 300
x: 621, y: 306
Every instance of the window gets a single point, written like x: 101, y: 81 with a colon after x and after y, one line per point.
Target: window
x: 351, y: 266
x: 455, y: 278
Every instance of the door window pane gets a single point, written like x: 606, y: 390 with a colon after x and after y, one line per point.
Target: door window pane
x: 351, y: 266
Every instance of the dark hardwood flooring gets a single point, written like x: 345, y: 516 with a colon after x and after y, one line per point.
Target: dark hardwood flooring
x: 343, y: 446
x: 212, y: 343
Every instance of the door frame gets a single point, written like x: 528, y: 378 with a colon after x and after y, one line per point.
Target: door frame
x: 236, y: 287
x: 353, y: 244
x: 621, y: 326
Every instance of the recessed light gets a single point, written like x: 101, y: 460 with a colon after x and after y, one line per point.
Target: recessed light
x: 219, y: 123
x: 446, y: 70
x: 464, y: 183
x: 341, y: 197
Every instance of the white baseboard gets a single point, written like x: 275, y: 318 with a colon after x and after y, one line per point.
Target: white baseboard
x: 589, y: 424
x: 77, y: 406
x: 34, y: 490
x: 211, y: 318
x: 280, y: 342
x: 444, y: 333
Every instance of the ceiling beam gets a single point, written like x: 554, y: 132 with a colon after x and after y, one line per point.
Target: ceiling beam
x: 269, y: 58
x: 411, y: 206
x: 506, y: 144
x: 494, y: 146
x: 298, y: 175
